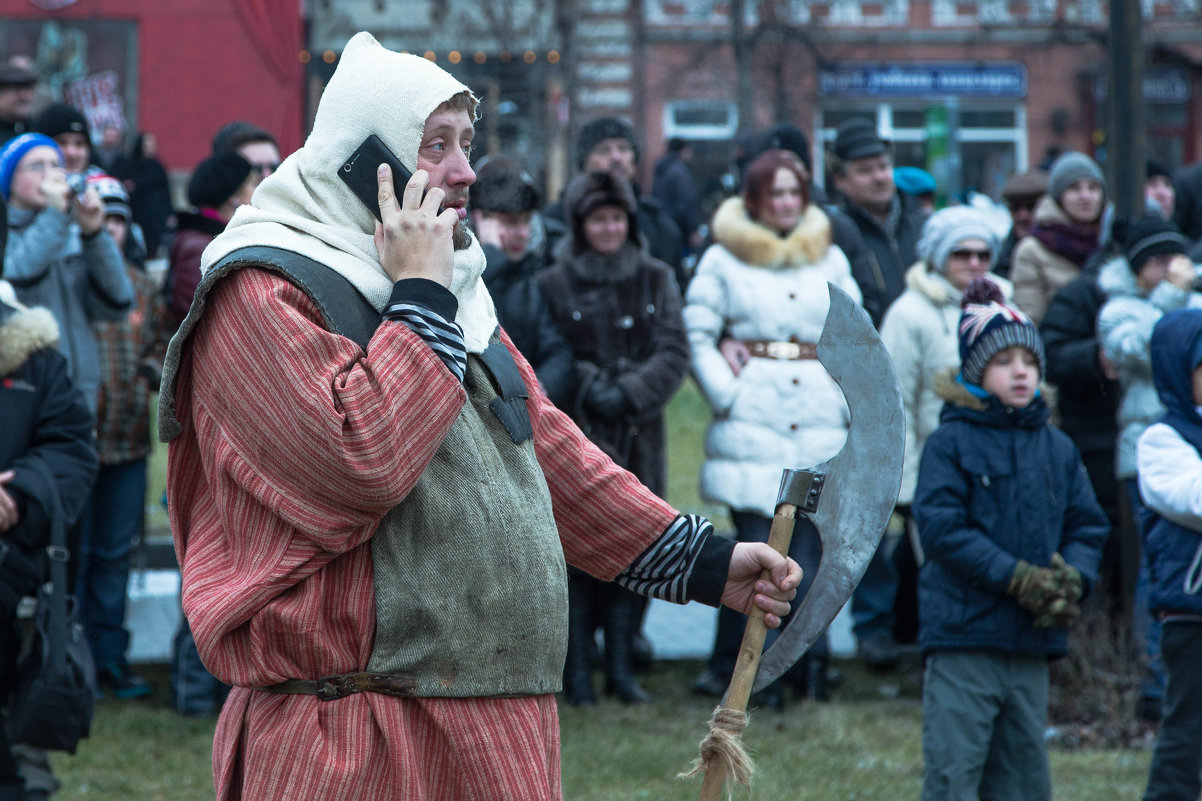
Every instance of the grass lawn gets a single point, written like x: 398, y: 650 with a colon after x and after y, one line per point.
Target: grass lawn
x: 866, y: 744
x: 863, y: 745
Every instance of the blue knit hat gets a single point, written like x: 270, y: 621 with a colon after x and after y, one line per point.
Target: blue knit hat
x: 988, y: 326
x: 14, y: 150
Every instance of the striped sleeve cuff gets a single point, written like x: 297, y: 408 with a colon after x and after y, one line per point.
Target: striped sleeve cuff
x: 686, y: 563
x: 429, y: 309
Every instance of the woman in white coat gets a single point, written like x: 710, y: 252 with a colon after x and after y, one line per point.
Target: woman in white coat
x: 920, y: 333
x: 763, y: 285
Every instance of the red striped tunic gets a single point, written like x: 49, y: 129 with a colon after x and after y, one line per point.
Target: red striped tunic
x: 294, y: 445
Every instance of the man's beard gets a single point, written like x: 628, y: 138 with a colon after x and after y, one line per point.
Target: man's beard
x: 461, y: 238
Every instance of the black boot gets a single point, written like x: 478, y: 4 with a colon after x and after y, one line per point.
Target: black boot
x: 619, y: 629
x: 577, y: 670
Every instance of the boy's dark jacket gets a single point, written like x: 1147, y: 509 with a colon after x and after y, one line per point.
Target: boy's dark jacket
x: 1176, y: 346
x: 997, y: 485
x: 45, y: 418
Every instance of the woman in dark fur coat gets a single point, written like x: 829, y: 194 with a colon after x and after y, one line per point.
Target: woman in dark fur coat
x: 620, y: 310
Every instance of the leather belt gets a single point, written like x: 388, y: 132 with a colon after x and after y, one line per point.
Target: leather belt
x: 775, y: 349
x: 329, y: 688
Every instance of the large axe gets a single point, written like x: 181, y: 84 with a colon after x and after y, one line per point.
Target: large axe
x: 849, y: 498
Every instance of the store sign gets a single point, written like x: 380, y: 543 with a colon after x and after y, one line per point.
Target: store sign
x: 949, y: 79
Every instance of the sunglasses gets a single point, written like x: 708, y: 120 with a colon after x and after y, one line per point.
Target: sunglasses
x: 263, y: 169
x: 982, y: 255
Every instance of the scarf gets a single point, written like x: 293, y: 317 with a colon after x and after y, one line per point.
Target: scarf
x: 305, y: 208
x: 1073, y: 241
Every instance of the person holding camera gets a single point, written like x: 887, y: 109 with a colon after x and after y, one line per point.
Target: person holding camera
x: 59, y: 254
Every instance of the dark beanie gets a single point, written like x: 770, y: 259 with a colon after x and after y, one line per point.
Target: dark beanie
x: 502, y: 185
x: 1149, y: 236
x: 600, y: 129
x: 1155, y: 168
x: 59, y: 118
x: 783, y: 137
x: 589, y: 192
x: 857, y: 139
x: 988, y: 326
x: 216, y: 179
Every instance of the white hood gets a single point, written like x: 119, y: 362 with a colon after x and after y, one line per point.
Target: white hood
x: 305, y: 208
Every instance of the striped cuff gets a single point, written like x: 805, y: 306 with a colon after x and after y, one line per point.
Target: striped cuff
x: 685, y: 564
x: 429, y: 309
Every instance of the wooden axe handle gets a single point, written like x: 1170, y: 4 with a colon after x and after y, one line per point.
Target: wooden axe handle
x: 752, y: 648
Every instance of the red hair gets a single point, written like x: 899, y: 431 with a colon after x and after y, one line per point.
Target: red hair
x: 757, y: 185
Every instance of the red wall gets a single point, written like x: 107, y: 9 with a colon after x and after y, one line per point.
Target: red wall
x: 199, y: 67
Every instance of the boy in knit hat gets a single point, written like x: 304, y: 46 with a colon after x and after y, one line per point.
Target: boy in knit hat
x: 1013, y: 536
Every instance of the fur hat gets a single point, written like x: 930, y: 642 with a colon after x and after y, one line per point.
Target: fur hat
x: 592, y: 190
x: 947, y: 228
x: 11, y: 153
x: 502, y: 185
x: 1070, y: 168
x: 1149, y: 236
x: 856, y: 139
x: 112, y: 195
x: 988, y: 326
x: 596, y: 131
x: 216, y: 179
x: 59, y: 118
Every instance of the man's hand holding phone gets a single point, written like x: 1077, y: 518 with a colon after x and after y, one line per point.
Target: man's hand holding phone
x: 413, y: 238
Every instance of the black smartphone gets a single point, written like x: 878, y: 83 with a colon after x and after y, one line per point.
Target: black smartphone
x: 359, y: 172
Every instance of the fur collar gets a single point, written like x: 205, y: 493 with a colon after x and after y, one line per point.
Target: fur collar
x: 23, y: 332
x: 755, y: 245
x: 947, y: 388
x: 1116, y: 279
x: 932, y: 285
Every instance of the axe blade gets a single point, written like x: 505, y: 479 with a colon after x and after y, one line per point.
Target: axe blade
x: 859, y: 485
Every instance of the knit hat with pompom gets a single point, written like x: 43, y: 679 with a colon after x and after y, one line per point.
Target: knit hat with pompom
x: 988, y: 326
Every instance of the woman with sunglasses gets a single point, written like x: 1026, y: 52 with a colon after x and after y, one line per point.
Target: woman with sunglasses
x: 920, y: 332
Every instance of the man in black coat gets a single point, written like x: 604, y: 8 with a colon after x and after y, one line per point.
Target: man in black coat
x: 890, y: 223
x: 608, y: 144
x: 503, y: 202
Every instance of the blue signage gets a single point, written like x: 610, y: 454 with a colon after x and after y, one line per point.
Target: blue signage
x: 1006, y: 79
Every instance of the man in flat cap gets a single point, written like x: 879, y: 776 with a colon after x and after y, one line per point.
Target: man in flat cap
x: 890, y: 222
x: 18, y: 83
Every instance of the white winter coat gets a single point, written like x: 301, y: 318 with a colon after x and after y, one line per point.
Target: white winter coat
x: 1125, y: 326
x: 921, y: 333
x: 777, y: 414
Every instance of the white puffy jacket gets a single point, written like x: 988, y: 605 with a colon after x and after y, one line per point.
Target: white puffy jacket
x: 776, y: 414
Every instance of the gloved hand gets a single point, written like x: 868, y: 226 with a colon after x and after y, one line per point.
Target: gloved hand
x: 1062, y: 610
x: 605, y: 400
x: 1033, y: 587
x: 1068, y: 577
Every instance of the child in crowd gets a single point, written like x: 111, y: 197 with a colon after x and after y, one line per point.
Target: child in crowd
x: 1013, y: 537
x: 1169, y: 457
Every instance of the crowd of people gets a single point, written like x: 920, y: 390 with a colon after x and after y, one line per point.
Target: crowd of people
x: 512, y: 365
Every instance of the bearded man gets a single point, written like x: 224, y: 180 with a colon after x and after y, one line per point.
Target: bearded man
x: 373, y: 536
